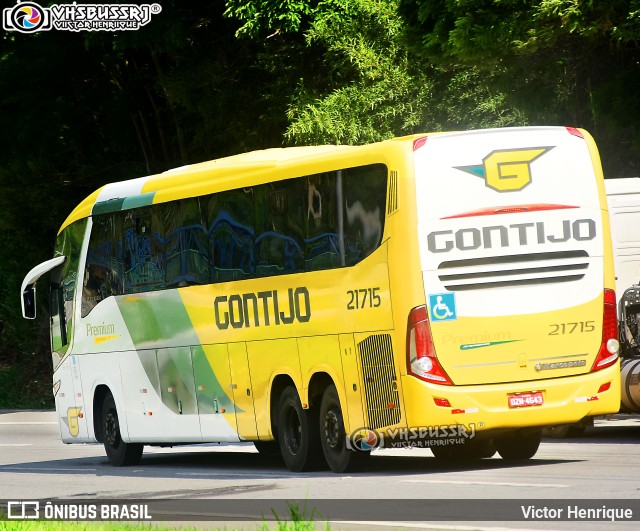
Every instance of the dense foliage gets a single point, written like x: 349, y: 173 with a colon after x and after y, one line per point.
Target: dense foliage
x: 206, y: 79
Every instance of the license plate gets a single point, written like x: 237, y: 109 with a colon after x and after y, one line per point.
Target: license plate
x: 526, y: 399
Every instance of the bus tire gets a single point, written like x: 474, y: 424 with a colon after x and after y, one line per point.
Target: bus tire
x: 473, y: 449
x: 118, y: 452
x: 518, y: 446
x: 333, y: 436
x: 298, y: 433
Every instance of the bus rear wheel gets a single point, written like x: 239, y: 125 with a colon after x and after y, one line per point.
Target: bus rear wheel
x: 333, y: 437
x: 119, y: 453
x: 521, y: 446
x: 298, y: 433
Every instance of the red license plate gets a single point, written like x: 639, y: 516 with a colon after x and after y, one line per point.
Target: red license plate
x: 526, y: 399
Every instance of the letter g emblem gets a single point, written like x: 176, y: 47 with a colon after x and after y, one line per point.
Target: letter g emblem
x: 508, y: 171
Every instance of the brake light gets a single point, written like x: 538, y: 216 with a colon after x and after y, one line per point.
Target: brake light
x: 575, y: 132
x: 419, y: 142
x: 610, y: 345
x: 422, y: 361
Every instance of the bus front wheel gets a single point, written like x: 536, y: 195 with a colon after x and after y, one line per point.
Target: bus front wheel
x: 298, y: 433
x: 521, y: 446
x: 333, y: 436
x: 118, y: 452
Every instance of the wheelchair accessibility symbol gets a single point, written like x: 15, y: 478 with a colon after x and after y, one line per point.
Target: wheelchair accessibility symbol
x: 442, y: 307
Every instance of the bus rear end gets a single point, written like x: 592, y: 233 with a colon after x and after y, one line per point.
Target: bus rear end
x: 518, y: 326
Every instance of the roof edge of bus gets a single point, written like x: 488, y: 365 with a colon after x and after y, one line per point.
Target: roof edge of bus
x: 83, y: 210
x: 486, y: 130
x: 252, y: 162
x: 266, y: 156
x: 492, y: 130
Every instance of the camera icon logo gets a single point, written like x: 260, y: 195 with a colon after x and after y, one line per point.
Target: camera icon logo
x: 26, y: 17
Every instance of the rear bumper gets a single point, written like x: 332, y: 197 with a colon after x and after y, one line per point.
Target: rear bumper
x: 566, y: 400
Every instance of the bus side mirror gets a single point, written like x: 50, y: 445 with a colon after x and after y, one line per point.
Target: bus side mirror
x: 29, y: 302
x: 28, y: 288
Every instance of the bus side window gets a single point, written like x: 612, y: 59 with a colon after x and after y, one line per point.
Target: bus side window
x: 231, y: 235
x: 364, y: 208
x: 64, y: 282
x: 143, y: 249
x: 279, y: 232
x: 321, y: 222
x: 186, y: 253
x: 58, y: 321
x: 99, y: 279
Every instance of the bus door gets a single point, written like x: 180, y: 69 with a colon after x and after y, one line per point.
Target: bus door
x: 352, y: 383
x: 67, y: 382
x: 213, y: 387
x: 70, y: 401
x: 242, y: 391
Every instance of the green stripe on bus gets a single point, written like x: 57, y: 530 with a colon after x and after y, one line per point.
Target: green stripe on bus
x: 151, y: 320
x: 104, y: 207
x: 137, y: 201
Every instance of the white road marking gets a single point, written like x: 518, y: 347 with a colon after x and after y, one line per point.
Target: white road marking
x: 234, y: 474
x: 420, y: 525
x: 496, y: 483
x: 25, y: 423
x: 45, y: 469
x: 16, y: 444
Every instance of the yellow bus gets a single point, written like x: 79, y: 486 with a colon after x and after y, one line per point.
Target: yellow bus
x: 451, y: 291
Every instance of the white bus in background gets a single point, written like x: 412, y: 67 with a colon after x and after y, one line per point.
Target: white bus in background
x: 623, y: 198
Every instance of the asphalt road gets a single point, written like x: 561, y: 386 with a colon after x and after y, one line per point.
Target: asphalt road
x: 602, y: 468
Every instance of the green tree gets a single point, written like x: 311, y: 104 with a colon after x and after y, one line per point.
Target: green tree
x: 369, y: 84
x: 557, y: 61
x: 80, y: 110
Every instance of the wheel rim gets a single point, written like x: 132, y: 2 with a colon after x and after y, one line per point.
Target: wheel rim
x: 111, y: 429
x: 293, y: 433
x: 332, y: 429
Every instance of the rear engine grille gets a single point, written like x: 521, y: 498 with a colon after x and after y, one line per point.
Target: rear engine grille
x: 379, y: 381
x: 513, y: 270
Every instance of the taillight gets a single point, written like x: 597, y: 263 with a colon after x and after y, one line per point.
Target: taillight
x: 419, y: 142
x: 575, y: 132
x: 422, y: 361
x: 610, y: 345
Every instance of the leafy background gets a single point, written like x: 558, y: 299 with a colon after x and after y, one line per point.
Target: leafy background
x: 212, y: 78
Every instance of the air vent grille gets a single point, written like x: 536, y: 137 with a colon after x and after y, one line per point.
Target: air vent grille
x: 513, y: 270
x: 380, y: 386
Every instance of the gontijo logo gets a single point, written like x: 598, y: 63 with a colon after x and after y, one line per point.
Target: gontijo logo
x: 71, y: 420
x: 507, y: 170
x: 29, y: 17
